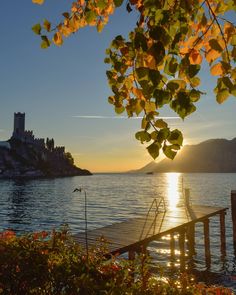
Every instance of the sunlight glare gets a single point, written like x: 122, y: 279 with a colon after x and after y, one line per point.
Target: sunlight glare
x: 173, y: 193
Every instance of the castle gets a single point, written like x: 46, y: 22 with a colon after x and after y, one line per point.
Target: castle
x: 26, y: 136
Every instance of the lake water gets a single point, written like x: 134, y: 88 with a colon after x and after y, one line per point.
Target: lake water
x: 45, y: 204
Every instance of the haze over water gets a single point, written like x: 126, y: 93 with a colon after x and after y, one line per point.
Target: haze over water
x: 45, y: 204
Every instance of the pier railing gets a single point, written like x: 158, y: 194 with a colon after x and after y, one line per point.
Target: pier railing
x: 158, y: 205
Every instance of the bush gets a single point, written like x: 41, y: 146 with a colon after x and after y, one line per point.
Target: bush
x: 54, y: 264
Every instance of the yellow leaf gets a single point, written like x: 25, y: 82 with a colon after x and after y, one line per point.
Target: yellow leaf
x: 150, y: 106
x: 100, y: 26
x: 212, y: 55
x: 229, y: 31
x: 81, y: 2
x: 57, y: 39
x: 138, y: 93
x: 65, y: 31
x: 40, y: 2
x: 217, y: 70
x: 195, y: 57
x: 184, y: 50
x: 47, y: 25
x: 150, y: 62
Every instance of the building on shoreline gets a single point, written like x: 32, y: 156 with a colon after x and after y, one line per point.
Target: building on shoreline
x: 27, y: 136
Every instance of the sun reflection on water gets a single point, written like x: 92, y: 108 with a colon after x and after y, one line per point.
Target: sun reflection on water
x: 173, y: 181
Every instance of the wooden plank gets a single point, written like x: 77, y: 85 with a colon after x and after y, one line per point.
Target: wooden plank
x: 133, y: 233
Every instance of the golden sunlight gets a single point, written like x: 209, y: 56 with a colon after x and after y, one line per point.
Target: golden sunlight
x: 173, y: 189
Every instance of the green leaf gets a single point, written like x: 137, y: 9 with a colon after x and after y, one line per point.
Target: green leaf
x: 222, y: 95
x: 193, y: 70
x: 153, y: 150
x: 118, y: 3
x: 175, y: 137
x: 140, y: 41
x: 107, y: 60
x: 173, y: 86
x: 119, y: 110
x: 233, y: 40
x: 182, y: 105
x: 37, y: 29
x: 195, y: 81
x: 90, y: 16
x: 158, y: 33
x: 160, y: 123
x: 195, y: 95
x: 145, y: 124
x: 45, y: 42
x: 162, y: 135
x: 227, y: 82
x: 215, y: 45
x: 142, y: 73
x: 158, y: 51
x: 143, y: 136
x: 155, y: 77
x: 233, y: 90
x: 101, y: 4
x: 171, y: 66
x: 170, y: 150
x: 162, y: 97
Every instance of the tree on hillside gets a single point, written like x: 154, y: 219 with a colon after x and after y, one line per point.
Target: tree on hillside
x: 158, y: 64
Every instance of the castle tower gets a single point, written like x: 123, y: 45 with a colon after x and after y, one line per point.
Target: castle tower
x: 19, y: 124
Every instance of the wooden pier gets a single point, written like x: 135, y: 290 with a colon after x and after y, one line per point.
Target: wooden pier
x: 134, y: 235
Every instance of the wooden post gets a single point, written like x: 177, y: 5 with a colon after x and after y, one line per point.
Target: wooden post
x: 207, y: 242
x: 172, y: 247
x: 191, y: 239
x: 233, y: 212
x: 222, y: 233
x: 182, y: 249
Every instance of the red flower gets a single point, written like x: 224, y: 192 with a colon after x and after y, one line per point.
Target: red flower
x: 8, y: 234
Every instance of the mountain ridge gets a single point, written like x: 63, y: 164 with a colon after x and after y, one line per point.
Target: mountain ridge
x: 210, y: 156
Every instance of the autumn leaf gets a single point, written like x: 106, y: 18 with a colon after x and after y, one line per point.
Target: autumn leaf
x: 100, y: 26
x: 57, y: 39
x: 40, y: 2
x: 217, y: 70
x: 195, y: 57
x: 47, y: 25
x: 212, y: 55
x: 138, y: 93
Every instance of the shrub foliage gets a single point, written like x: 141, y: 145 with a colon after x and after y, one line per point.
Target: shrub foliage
x: 43, y: 263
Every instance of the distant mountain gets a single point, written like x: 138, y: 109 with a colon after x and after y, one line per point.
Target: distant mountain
x: 214, y: 155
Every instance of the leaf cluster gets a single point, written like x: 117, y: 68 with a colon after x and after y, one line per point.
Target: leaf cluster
x: 159, y: 63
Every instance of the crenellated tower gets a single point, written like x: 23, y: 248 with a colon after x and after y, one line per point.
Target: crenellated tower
x: 19, y: 125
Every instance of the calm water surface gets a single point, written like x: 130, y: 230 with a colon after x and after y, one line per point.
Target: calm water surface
x: 47, y: 203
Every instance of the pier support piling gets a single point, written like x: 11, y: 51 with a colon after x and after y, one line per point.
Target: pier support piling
x: 222, y: 234
x: 172, y: 247
x: 233, y: 213
x: 182, y: 249
x: 207, y: 242
x: 191, y: 239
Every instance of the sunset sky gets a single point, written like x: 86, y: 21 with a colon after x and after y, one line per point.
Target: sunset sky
x: 60, y: 88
